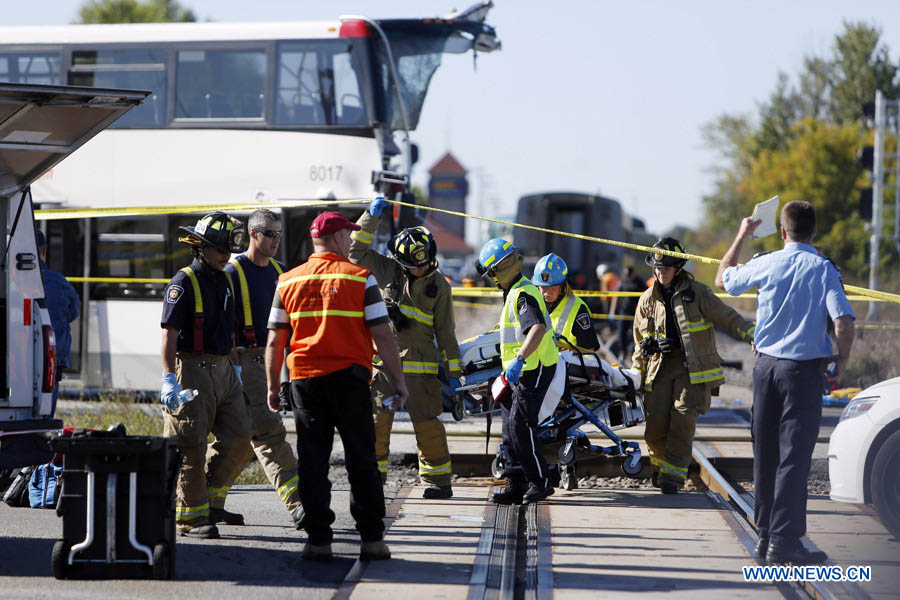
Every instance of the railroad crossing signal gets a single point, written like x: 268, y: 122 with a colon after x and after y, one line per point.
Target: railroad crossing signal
x: 886, y: 114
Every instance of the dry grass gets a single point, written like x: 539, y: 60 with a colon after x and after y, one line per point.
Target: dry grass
x: 873, y: 358
x: 139, y: 419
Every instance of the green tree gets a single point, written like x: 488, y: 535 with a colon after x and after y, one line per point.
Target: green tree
x: 134, y: 11
x: 861, y: 65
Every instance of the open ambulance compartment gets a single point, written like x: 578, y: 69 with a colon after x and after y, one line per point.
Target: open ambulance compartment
x: 39, y: 126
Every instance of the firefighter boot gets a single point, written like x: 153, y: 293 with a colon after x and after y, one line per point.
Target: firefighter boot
x: 537, y: 493
x: 204, y: 531
x: 437, y: 491
x: 511, y: 494
x: 299, y: 517
x: 220, y: 515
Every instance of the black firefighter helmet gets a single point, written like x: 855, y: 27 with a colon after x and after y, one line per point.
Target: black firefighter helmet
x: 413, y: 247
x: 217, y: 229
x: 655, y: 259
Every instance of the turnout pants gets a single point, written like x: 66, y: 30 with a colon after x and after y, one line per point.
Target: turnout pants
x: 524, y: 451
x: 672, y: 406
x: 424, y: 406
x: 207, y: 472
x: 339, y: 400
x: 267, y: 434
x: 787, y: 410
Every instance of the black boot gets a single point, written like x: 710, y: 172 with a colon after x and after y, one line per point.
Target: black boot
x: 762, y: 546
x: 536, y: 494
x: 511, y: 494
x: 220, y: 515
x: 433, y: 492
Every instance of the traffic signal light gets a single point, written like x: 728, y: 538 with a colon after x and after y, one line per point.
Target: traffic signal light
x: 865, y: 203
x: 866, y: 156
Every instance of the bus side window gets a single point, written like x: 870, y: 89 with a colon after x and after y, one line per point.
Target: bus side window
x: 220, y: 84
x: 40, y: 68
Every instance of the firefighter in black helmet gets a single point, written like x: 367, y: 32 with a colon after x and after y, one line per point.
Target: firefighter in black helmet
x: 675, y: 351
x: 421, y: 310
x: 197, y: 342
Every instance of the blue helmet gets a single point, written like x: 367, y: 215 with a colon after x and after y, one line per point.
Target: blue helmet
x: 492, y: 253
x: 550, y: 270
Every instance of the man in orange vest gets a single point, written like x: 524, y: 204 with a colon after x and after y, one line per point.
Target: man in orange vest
x: 332, y: 311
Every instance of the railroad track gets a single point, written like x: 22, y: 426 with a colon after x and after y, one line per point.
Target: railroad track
x: 725, y: 493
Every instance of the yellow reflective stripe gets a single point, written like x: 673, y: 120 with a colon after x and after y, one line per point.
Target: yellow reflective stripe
x: 198, y: 299
x: 693, y: 326
x: 245, y: 292
x: 412, y: 366
x: 275, y: 264
x: 218, y: 492
x: 435, y: 470
x: 288, y: 487
x: 648, y: 386
x: 383, y: 466
x: 189, y: 513
x: 419, y: 315
x: 669, y: 468
x: 324, y: 313
x: 704, y: 376
x: 321, y: 276
x: 747, y: 334
x: 363, y: 236
x: 453, y: 365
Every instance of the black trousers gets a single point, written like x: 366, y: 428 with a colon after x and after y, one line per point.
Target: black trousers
x: 524, y: 451
x: 339, y: 400
x: 787, y: 410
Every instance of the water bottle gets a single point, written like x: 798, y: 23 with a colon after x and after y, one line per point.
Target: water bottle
x: 187, y: 395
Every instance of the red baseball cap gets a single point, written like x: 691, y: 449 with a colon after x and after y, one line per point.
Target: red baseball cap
x: 331, y: 222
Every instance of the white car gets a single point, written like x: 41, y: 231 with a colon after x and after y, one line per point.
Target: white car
x: 864, y: 452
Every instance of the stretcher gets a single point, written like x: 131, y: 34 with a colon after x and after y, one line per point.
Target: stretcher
x: 596, y: 394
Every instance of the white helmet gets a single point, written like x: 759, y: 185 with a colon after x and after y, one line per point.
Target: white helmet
x: 601, y: 270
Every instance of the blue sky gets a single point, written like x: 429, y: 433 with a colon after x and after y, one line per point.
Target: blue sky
x: 587, y: 96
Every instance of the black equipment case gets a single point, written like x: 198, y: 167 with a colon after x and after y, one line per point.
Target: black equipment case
x: 117, y: 506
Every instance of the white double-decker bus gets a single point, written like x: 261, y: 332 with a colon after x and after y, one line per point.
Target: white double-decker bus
x: 237, y: 112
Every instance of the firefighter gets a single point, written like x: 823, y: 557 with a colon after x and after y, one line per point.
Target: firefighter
x: 197, y: 341
x: 675, y: 352
x: 570, y: 316
x: 421, y: 310
x: 530, y: 360
x: 253, y: 277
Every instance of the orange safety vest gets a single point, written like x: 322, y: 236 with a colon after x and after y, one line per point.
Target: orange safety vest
x: 324, y: 299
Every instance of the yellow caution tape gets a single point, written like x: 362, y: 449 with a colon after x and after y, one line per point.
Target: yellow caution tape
x: 142, y: 211
x: 68, y: 213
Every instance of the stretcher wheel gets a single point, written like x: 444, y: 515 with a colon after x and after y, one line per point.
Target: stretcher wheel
x: 458, y: 410
x: 566, y: 452
x: 567, y: 478
x: 58, y: 559
x: 632, y: 466
x: 162, y: 564
x: 498, y: 465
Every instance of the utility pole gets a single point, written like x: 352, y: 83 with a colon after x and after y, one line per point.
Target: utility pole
x: 877, y: 200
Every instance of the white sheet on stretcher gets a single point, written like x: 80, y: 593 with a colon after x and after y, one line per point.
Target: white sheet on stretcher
x: 617, y: 378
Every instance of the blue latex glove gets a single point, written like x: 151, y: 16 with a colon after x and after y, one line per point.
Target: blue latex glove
x: 378, y: 205
x: 237, y: 371
x: 169, y: 393
x: 612, y: 318
x: 514, y: 370
x: 454, y: 385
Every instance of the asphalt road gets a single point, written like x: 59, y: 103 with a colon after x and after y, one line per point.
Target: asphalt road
x: 258, y: 560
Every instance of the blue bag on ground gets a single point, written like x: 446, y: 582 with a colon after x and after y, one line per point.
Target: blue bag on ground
x: 43, y: 488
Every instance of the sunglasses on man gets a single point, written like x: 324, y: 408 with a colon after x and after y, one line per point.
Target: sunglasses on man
x: 270, y: 233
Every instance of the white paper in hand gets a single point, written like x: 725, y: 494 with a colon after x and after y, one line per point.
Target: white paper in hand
x: 765, y: 212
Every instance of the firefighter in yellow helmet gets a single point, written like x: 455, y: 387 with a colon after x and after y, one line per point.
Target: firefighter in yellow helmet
x: 675, y: 351
x: 197, y: 340
x: 421, y: 310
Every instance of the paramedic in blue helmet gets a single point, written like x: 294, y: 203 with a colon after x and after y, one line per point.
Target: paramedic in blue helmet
x: 197, y: 342
x: 569, y: 315
x: 529, y: 357
x: 420, y: 306
x: 675, y: 352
